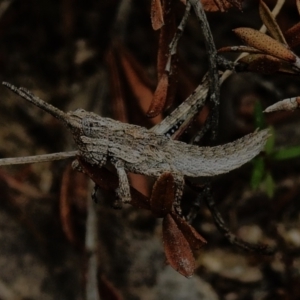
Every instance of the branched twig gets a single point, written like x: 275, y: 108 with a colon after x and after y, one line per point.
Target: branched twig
x: 232, y: 238
x: 206, y: 127
x: 214, y: 86
x: 180, y: 118
x: 225, y: 64
x: 177, y: 36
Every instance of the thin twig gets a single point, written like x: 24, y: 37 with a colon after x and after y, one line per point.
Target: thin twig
x: 214, y: 86
x: 206, y: 127
x: 37, y: 158
x: 232, y: 238
x: 183, y: 115
x: 174, y: 43
x: 91, y: 250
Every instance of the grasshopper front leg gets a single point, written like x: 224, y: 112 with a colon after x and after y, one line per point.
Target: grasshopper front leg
x: 123, y: 191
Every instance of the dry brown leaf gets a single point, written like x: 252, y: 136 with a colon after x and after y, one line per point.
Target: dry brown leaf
x: 221, y: 5
x: 239, y: 49
x: 293, y: 36
x: 157, y: 18
x: 218, y: 5
x: 270, y: 22
x: 195, y: 240
x: 127, y: 74
x: 159, y: 98
x: 138, y: 81
x: 236, y: 3
x: 285, y: 67
x: 264, y: 43
x: 262, y: 63
x: 209, y: 5
x: 163, y: 195
x: 177, y: 249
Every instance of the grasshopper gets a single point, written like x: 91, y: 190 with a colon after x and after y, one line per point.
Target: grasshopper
x: 131, y: 148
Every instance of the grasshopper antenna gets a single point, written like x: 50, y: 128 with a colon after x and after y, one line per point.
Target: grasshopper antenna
x: 55, y: 112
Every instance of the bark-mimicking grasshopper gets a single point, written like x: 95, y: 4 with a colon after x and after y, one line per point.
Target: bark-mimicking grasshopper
x: 135, y: 149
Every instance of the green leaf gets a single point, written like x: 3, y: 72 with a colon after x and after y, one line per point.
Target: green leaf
x: 259, y: 118
x: 269, y: 148
x: 269, y: 185
x: 286, y: 153
x: 257, y: 172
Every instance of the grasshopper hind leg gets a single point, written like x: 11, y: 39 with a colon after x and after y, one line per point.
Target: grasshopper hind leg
x: 123, y: 191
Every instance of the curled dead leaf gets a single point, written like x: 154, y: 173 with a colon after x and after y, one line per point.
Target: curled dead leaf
x: 177, y: 249
x: 163, y: 195
x: 221, y: 5
x: 116, y: 87
x: 239, y: 49
x: 212, y: 6
x: 264, y: 43
x: 159, y: 98
x: 236, y: 3
x: 136, y: 77
x: 157, y: 17
x: 270, y: 22
x: 195, y: 240
x: 293, y: 35
x: 262, y: 63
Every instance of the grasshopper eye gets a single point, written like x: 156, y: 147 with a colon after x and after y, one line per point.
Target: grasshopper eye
x: 86, y: 126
